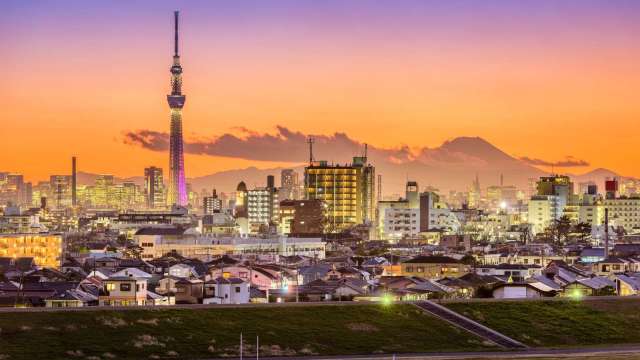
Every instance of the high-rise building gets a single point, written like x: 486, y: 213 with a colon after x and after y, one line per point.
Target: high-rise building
x: 177, y: 184
x: 553, y: 194
x: 398, y: 219
x: 260, y: 209
x: 611, y: 188
x: 262, y: 205
x: 60, y: 190
x: 301, y: 217
x: 212, y: 204
x: 101, y: 193
x: 559, y: 185
x: 289, y: 185
x: 16, y: 190
x: 74, y: 183
x: 347, y: 190
x: 154, y: 187
x: 240, y: 210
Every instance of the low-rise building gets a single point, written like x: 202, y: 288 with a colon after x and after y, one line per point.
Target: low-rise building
x: 511, y: 272
x: 434, y: 267
x: 123, y: 291
x: 157, y: 242
x: 226, y: 291
x: 44, y: 248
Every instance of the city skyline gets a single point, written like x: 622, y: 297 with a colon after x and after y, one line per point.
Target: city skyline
x: 440, y: 71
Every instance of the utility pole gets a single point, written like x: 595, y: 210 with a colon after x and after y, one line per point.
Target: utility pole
x: 606, y: 233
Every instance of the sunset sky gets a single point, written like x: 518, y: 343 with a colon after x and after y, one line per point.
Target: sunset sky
x: 541, y: 79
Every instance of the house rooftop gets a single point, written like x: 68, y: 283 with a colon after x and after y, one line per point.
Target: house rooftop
x: 432, y: 260
x: 161, y: 231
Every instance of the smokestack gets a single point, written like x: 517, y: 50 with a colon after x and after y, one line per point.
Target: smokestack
x: 606, y: 233
x: 73, y: 181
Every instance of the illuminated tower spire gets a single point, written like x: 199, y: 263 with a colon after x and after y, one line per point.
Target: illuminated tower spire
x: 177, y: 185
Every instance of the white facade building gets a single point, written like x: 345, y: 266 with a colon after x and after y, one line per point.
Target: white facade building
x: 226, y: 291
x: 157, y: 242
x: 543, y: 210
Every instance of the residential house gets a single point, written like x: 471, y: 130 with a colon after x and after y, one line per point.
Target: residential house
x: 226, y: 291
x: 72, y: 298
x: 123, y: 291
x: 519, y: 291
x: 185, y: 291
x: 510, y: 272
x: 434, y: 267
x: 616, y: 265
x: 182, y: 271
x: 627, y: 285
x: 595, y: 286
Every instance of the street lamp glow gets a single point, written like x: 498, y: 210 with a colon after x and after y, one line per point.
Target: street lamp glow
x: 386, y: 299
x: 576, y: 294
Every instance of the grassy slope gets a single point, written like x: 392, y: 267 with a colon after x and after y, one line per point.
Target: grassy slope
x: 201, y: 333
x: 560, y: 323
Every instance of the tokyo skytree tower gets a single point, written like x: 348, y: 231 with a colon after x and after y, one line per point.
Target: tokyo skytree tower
x: 177, y: 185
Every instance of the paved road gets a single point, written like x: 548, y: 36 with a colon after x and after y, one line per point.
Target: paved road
x: 469, y: 325
x: 581, y: 353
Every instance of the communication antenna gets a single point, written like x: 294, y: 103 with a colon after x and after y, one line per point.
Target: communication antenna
x: 310, y: 141
x: 175, y: 41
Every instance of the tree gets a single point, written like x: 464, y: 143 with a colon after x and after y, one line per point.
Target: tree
x: 122, y: 240
x: 584, y: 229
x: 560, y: 229
x: 468, y: 259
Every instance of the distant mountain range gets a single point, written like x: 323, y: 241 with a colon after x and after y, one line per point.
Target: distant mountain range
x: 451, y: 166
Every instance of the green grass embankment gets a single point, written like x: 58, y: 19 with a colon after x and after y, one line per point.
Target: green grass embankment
x: 210, y: 333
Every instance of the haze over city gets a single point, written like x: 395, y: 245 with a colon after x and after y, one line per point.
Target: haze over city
x: 543, y: 80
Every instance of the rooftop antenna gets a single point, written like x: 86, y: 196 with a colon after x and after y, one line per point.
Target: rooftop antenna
x: 366, y: 148
x: 310, y: 141
x: 175, y: 42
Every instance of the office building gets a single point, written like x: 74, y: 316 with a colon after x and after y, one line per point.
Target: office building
x: 154, y: 188
x: 61, y: 191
